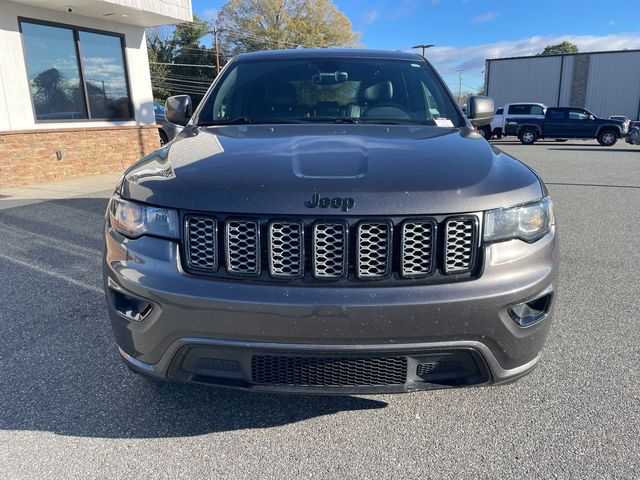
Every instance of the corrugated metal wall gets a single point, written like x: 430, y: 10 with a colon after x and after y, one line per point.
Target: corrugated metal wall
x: 532, y: 79
x: 613, y: 83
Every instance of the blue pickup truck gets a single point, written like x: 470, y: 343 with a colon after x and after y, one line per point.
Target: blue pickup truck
x: 566, y: 122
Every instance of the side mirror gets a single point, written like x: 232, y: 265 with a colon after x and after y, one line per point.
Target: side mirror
x: 179, y: 109
x: 480, y: 110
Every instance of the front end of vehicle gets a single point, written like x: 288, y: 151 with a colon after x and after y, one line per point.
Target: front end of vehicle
x: 309, y: 303
x: 365, y: 244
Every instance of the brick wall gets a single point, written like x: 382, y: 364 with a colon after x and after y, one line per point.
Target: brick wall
x: 32, y: 156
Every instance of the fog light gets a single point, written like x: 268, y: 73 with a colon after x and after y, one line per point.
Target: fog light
x: 528, y: 313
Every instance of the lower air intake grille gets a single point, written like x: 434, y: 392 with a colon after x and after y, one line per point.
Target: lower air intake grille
x: 328, y: 372
x: 436, y: 368
x: 459, y: 244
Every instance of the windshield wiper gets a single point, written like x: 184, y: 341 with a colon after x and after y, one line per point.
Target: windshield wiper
x: 347, y: 120
x: 233, y: 121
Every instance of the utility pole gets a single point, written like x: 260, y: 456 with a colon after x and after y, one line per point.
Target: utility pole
x: 424, y: 47
x: 460, y: 71
x: 217, y: 47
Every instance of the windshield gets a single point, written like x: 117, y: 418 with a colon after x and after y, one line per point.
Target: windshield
x: 350, y: 90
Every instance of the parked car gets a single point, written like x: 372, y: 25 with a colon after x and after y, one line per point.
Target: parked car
x: 329, y: 222
x: 566, y: 122
x: 519, y: 111
x: 633, y: 137
x: 167, y: 130
x: 625, y: 120
x: 494, y: 129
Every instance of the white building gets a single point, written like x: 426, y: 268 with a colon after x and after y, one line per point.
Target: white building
x: 75, y: 89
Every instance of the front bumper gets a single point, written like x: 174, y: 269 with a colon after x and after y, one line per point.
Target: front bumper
x: 230, y: 323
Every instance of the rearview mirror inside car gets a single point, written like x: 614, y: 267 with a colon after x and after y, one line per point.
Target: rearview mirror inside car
x: 480, y: 110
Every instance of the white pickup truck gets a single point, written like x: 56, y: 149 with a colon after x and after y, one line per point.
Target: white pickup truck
x: 511, y: 111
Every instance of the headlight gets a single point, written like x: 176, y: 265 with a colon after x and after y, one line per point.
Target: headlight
x: 134, y: 219
x: 528, y: 222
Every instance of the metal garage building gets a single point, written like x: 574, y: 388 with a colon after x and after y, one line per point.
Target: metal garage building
x: 606, y: 83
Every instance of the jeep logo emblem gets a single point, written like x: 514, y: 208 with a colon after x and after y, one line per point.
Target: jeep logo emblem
x: 345, y: 204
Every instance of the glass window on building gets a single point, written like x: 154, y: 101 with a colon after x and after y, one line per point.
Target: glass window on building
x: 75, y: 74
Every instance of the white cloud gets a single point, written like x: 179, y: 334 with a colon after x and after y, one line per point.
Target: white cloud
x: 449, y: 59
x: 209, y: 13
x: 405, y: 9
x: 487, y: 17
x: 370, y: 17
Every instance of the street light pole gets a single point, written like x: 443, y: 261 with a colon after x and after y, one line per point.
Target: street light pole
x: 424, y: 47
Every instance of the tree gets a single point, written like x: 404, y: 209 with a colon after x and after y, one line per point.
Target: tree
x: 181, y: 47
x: 564, y: 47
x: 250, y: 25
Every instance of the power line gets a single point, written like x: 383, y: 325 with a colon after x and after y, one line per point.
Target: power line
x: 182, y: 65
x: 180, y: 80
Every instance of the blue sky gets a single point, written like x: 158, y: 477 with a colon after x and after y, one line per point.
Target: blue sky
x: 468, y: 31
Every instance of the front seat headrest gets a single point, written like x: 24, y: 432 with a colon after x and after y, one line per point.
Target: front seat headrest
x: 281, y: 93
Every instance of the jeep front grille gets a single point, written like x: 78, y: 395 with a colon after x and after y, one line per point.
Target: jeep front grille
x: 460, y: 236
x: 352, y: 249
x: 286, y: 240
x: 373, y: 250
x: 329, y: 250
x: 416, y: 255
x: 243, y: 247
x: 202, y: 243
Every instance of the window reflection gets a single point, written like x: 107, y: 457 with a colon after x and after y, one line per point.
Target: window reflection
x: 54, y: 74
x: 103, y: 68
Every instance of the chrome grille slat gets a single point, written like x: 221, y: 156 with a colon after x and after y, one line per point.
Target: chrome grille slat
x: 417, y: 247
x: 286, y: 241
x: 243, y: 247
x: 459, y: 244
x: 202, y: 243
x: 373, y: 256
x: 330, y: 247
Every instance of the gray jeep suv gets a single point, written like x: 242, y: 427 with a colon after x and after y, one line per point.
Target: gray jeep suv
x: 329, y: 222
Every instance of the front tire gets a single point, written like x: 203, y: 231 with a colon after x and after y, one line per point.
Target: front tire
x: 528, y: 136
x: 164, y: 139
x: 607, y: 137
x: 485, y: 131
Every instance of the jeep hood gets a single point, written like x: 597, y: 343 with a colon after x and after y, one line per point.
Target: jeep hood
x: 387, y: 170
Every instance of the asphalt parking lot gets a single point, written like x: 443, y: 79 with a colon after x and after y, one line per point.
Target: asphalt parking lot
x: 69, y: 408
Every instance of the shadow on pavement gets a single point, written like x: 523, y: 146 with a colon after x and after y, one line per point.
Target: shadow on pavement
x: 61, y: 372
x: 590, y: 149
